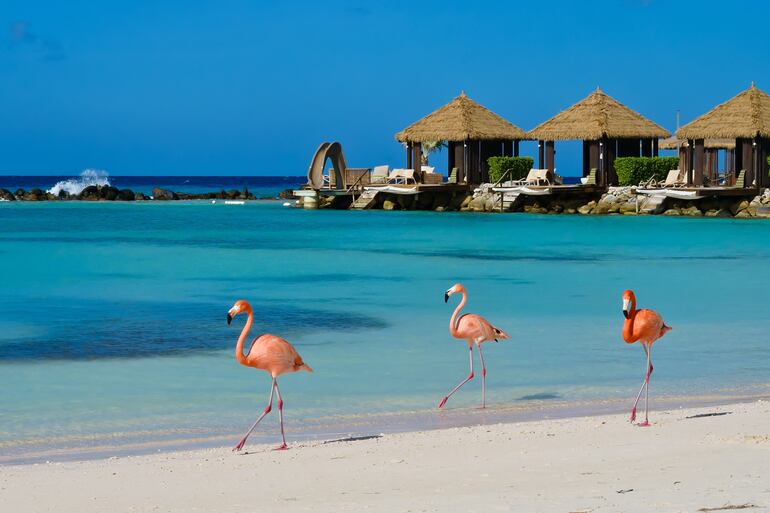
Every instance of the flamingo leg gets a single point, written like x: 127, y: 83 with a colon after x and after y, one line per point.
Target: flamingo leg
x: 647, y: 390
x: 483, y: 379
x: 645, y: 384
x: 259, y: 419
x: 280, y: 417
x: 455, y: 389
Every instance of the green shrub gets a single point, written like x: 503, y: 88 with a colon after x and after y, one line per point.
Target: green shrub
x: 633, y: 170
x: 520, y: 167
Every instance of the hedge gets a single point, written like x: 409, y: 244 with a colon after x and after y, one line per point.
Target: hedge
x: 520, y: 167
x: 633, y: 170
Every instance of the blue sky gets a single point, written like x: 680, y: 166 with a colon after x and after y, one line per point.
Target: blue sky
x: 243, y: 88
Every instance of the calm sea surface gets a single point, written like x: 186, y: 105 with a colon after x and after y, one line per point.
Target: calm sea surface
x: 113, y: 332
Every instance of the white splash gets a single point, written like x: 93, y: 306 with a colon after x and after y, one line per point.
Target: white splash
x: 75, y: 186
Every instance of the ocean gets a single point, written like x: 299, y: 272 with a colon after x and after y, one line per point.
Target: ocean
x: 113, y: 335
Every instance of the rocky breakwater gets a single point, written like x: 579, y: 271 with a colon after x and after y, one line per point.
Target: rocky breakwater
x: 624, y: 200
x: 109, y: 193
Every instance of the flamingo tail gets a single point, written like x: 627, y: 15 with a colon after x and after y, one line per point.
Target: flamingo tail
x: 306, y: 367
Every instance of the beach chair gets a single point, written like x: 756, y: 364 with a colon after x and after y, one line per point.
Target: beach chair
x: 427, y: 169
x: 380, y: 174
x: 544, y: 177
x: 674, y: 179
x: 452, y: 178
x: 741, y: 180
x: 531, y: 178
x: 590, y: 179
x: 401, y: 176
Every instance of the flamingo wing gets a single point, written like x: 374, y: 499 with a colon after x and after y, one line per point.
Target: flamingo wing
x: 649, y: 325
x: 276, y: 355
x: 475, y: 327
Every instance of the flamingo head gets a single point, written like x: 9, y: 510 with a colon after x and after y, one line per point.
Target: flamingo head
x: 629, y: 303
x: 457, y: 287
x: 239, y: 307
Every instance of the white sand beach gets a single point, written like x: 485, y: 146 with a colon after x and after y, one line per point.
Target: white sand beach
x: 587, y: 464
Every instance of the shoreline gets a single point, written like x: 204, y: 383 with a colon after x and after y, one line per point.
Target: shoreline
x: 332, y: 428
x: 707, y: 457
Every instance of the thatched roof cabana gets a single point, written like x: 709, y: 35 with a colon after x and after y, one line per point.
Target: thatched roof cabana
x: 462, y: 119
x: 473, y: 133
x: 745, y: 116
x: 595, y: 117
x: 745, y: 119
x: 607, y: 128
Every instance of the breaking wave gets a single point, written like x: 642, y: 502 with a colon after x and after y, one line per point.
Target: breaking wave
x: 75, y: 186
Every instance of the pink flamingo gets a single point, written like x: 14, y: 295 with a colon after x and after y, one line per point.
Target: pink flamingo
x: 269, y: 353
x: 645, y: 326
x: 474, y: 329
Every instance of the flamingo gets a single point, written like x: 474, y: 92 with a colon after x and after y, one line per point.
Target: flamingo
x: 474, y: 329
x: 269, y: 353
x: 645, y: 326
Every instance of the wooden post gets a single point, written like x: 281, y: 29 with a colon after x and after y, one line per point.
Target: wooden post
x: 409, y: 155
x: 593, y: 157
x: 450, y: 152
x: 516, y: 148
x: 699, y: 158
x: 646, y: 147
x: 459, y: 161
x: 473, y: 171
x: 747, y: 161
x: 540, y: 154
x: 601, y: 174
x: 612, y: 175
x: 655, y: 147
x: 550, y: 154
x: 586, y: 157
x: 763, y: 178
x: 417, y: 161
x: 508, y: 148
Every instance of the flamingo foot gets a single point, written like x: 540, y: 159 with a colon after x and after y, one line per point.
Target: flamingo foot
x: 239, y: 446
x: 646, y: 423
x: 282, y: 447
x: 442, y: 403
x: 633, y: 414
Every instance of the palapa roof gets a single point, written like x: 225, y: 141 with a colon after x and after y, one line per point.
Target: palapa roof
x: 746, y: 115
x: 672, y: 143
x: 596, y: 116
x: 459, y: 120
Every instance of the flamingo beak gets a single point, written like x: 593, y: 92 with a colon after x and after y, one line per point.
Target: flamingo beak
x: 229, y: 318
x: 626, y: 308
x: 446, y: 296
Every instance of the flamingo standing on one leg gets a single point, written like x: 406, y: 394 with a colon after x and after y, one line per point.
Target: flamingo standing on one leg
x: 269, y: 353
x: 474, y: 329
x: 645, y: 326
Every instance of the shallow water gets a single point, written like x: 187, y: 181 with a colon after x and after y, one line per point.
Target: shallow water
x: 112, y: 316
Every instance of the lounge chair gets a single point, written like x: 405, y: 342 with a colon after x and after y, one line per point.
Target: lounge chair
x: 401, y: 176
x: 531, y: 178
x: 590, y: 179
x: 674, y: 179
x: 379, y: 174
x: 452, y: 178
x: 427, y: 169
x: 741, y: 180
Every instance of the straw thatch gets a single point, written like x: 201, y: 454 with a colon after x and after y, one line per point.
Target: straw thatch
x: 746, y: 115
x: 460, y: 120
x: 597, y: 116
x: 672, y: 143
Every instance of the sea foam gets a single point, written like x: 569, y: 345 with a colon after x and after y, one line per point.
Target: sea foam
x: 75, y: 186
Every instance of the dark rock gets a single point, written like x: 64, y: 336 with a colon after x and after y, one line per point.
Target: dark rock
x: 64, y: 195
x: 19, y: 193
x: 138, y: 196
x: 109, y: 193
x: 7, y: 195
x: 90, y: 193
x: 232, y: 194
x: 35, y: 195
x: 163, y: 194
x: 126, y: 195
x: 286, y: 194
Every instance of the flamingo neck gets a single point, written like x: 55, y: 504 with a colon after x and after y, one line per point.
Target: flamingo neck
x: 628, y: 324
x: 239, y: 356
x: 453, y: 320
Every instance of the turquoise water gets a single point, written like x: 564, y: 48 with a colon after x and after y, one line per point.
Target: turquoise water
x: 113, y: 332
